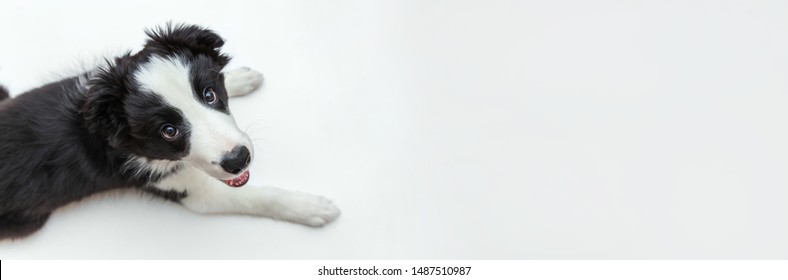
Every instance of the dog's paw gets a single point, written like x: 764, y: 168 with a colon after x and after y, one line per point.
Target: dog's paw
x: 242, y: 81
x: 308, y: 209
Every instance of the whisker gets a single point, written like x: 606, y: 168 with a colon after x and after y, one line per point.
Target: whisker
x: 252, y: 125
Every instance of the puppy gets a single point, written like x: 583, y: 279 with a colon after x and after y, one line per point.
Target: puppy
x: 156, y: 120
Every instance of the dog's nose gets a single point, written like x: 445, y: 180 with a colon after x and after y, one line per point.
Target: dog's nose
x: 236, y: 160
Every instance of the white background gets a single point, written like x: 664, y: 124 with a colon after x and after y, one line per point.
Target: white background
x: 461, y: 129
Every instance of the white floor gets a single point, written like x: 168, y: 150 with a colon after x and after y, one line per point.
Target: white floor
x: 461, y: 129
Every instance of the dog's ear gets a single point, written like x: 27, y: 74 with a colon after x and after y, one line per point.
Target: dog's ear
x: 177, y: 37
x: 103, y: 111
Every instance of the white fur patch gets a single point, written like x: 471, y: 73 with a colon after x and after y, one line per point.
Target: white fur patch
x: 140, y: 166
x: 242, y: 81
x: 208, y: 195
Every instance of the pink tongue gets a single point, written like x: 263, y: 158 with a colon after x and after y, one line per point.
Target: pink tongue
x: 239, y: 181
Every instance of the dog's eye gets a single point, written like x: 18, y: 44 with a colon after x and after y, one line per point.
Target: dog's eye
x: 169, y: 132
x: 209, y: 95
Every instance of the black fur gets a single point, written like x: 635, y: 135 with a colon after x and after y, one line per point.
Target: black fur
x: 69, y: 139
x: 3, y: 93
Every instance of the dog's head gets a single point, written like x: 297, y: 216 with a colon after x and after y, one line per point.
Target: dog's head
x: 168, y: 104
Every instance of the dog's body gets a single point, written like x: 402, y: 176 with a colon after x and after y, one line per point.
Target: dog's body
x: 157, y: 120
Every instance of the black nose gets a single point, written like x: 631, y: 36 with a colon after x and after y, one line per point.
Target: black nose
x: 236, y: 160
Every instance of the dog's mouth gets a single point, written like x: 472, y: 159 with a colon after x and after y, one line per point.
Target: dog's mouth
x: 238, y: 181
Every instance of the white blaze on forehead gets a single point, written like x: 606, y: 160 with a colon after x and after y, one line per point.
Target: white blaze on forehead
x: 212, y: 133
x: 168, y: 78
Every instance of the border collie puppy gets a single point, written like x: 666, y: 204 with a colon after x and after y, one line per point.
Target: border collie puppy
x: 157, y: 120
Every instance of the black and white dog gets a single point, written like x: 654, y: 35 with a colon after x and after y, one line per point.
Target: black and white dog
x: 157, y: 120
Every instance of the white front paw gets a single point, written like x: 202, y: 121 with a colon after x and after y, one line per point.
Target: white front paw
x: 242, y: 81
x: 308, y: 209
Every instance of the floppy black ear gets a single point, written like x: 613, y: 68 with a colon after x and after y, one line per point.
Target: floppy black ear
x: 103, y: 110
x: 178, y: 37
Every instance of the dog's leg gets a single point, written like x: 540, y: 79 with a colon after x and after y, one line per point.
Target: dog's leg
x: 205, y: 194
x: 242, y: 81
